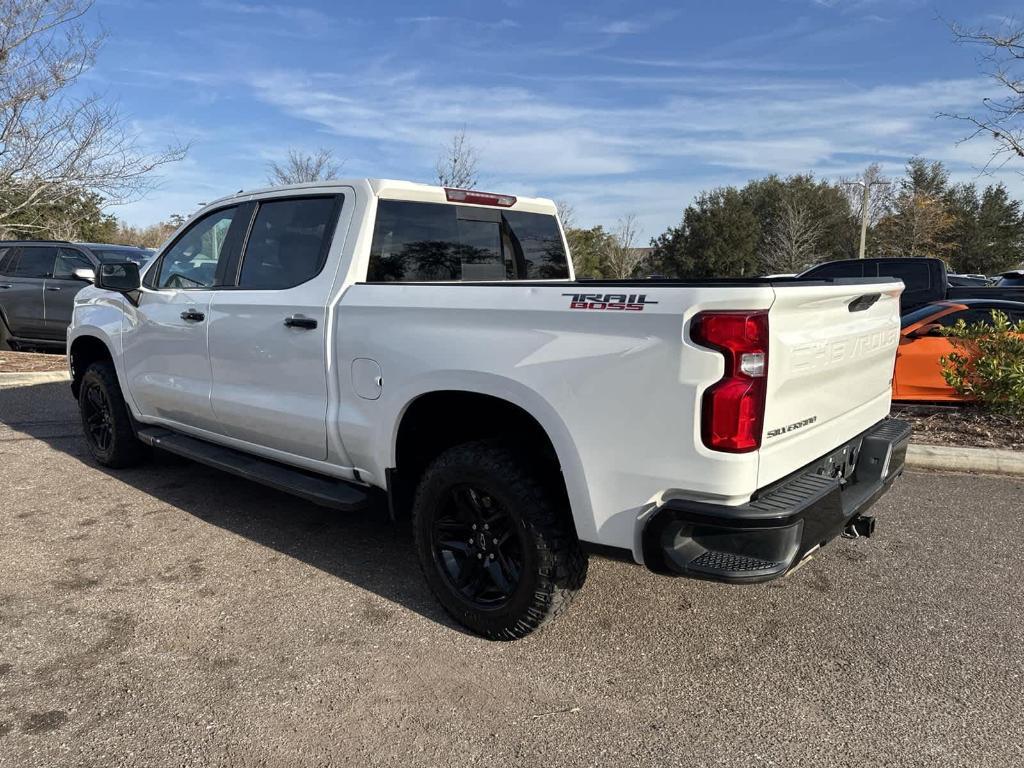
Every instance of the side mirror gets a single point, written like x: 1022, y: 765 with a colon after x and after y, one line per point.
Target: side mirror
x: 931, y: 329
x: 122, y: 277
x: 84, y: 274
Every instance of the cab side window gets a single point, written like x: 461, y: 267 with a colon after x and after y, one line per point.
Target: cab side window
x: 192, y: 261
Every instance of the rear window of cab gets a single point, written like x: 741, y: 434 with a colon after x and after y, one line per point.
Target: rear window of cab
x: 435, y: 242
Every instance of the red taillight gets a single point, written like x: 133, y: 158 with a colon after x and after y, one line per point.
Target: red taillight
x: 732, y: 410
x: 478, y: 198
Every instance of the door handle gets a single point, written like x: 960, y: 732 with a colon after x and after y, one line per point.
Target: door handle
x: 192, y: 315
x: 300, y: 321
x: 52, y: 288
x: 6, y: 285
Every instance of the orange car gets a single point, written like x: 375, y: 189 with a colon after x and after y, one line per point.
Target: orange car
x: 918, y: 371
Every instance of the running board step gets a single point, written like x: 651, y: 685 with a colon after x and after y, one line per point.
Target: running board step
x: 336, y: 494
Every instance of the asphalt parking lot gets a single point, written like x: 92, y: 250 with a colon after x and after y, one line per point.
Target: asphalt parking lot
x: 174, y: 616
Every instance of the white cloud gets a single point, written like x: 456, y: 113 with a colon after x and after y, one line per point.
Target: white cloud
x: 622, y: 27
x: 647, y: 148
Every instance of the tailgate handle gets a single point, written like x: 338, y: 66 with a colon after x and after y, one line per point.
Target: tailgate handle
x: 864, y: 302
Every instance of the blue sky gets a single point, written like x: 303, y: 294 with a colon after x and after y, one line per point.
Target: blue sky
x: 615, y: 107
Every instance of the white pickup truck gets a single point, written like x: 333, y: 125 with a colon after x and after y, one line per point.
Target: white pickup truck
x: 334, y: 338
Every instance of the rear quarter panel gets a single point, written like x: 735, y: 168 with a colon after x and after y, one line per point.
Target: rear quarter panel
x: 616, y: 392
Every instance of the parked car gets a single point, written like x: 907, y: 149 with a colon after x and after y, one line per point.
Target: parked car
x: 926, y: 280
x: 1015, y: 278
x: 38, y: 283
x: 329, y: 339
x: 918, y: 373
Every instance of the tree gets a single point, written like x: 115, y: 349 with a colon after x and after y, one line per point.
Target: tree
x: 566, y: 214
x: 920, y: 222
x: 72, y: 217
x: 622, y: 257
x: 56, y: 147
x: 1002, y: 118
x: 821, y: 204
x: 719, y: 236
x: 456, y: 166
x: 152, y: 236
x: 771, y: 224
x: 792, y: 241
x: 588, y: 249
x: 988, y: 233
x: 303, y: 167
x: 964, y: 204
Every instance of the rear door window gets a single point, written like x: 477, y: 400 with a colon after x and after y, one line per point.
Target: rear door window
x: 431, y: 242
x: 7, y: 260
x: 288, y: 243
x: 36, y: 261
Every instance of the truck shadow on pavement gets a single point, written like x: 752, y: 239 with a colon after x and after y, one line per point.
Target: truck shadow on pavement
x: 363, y: 548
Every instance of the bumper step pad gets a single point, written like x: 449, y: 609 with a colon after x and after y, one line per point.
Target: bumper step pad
x: 715, y: 563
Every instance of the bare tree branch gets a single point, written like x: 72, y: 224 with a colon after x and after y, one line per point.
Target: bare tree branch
x: 880, y: 200
x: 623, y: 258
x: 456, y: 166
x: 1003, y: 118
x: 566, y: 213
x: 54, y: 146
x: 302, y: 167
x: 792, y: 242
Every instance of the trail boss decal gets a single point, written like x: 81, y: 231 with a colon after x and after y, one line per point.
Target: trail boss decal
x: 632, y: 302
x: 791, y: 427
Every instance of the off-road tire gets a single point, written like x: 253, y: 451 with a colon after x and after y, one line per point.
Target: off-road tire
x: 124, y: 449
x: 554, y: 566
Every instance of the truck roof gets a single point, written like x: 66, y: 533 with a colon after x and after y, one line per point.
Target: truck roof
x: 390, y: 189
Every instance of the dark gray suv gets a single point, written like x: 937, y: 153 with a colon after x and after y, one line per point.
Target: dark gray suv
x: 38, y: 283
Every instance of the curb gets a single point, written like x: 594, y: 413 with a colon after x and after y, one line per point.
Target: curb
x: 28, y: 379
x: 992, y: 461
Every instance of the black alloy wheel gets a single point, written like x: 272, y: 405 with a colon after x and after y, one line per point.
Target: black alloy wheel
x: 97, y: 417
x: 477, y: 547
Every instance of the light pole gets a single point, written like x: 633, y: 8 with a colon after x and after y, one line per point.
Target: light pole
x: 866, y: 186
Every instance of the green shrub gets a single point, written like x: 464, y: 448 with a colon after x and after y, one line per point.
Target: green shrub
x: 988, y: 363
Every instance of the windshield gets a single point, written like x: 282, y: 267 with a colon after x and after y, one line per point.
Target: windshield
x: 920, y: 314
x: 113, y: 255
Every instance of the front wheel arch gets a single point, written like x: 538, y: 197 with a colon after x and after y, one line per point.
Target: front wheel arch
x: 83, y: 352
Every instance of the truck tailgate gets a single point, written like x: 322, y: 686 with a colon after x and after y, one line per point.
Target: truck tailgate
x: 831, y: 353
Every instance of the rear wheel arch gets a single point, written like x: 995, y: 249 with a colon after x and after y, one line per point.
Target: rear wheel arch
x: 435, y: 421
